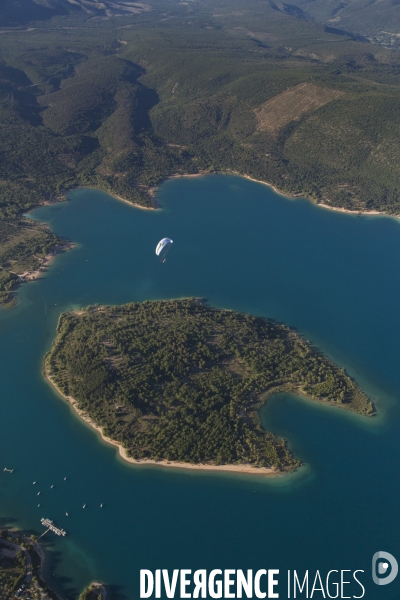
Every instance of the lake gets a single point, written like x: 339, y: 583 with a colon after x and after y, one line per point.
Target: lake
x: 334, y: 277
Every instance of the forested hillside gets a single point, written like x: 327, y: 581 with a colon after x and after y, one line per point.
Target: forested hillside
x: 374, y: 20
x: 177, y: 380
x: 120, y: 99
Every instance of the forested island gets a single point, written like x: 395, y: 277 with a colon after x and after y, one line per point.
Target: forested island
x: 180, y: 381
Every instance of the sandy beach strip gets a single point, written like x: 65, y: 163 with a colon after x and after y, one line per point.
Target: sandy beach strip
x: 46, y: 261
x: 153, y: 190
x: 132, y: 203
x: 240, y: 468
x: 320, y: 204
x: 354, y: 212
x: 121, y: 198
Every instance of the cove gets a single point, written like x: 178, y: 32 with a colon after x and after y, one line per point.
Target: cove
x: 334, y: 277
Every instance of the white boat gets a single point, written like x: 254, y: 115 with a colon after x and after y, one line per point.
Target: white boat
x: 84, y: 506
x: 38, y: 505
x: 34, y: 483
x: 101, y: 506
x: 38, y: 494
x: 66, y: 514
x: 51, y: 487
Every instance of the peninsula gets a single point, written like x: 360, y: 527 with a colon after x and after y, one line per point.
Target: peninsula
x: 21, y: 570
x: 180, y: 383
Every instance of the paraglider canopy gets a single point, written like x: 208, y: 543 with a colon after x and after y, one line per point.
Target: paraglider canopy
x: 163, y: 247
x: 162, y: 244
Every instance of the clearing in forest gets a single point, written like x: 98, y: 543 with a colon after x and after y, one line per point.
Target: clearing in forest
x: 291, y: 104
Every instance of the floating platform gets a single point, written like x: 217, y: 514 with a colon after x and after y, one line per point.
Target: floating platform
x: 50, y: 525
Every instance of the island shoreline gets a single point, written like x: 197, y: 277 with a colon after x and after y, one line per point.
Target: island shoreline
x: 244, y: 469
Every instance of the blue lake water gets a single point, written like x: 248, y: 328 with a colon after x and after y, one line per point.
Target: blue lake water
x: 332, y: 276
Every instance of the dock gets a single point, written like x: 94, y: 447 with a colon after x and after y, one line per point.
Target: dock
x: 51, y: 527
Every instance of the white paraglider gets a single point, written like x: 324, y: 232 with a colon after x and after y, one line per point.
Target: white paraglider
x: 163, y: 247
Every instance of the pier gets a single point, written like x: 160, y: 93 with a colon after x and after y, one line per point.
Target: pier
x: 51, y: 527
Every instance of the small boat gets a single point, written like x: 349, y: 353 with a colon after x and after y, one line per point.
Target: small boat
x: 38, y: 505
x: 34, y: 483
x: 8, y: 470
x: 38, y: 494
x: 51, y: 487
x: 84, y: 506
x: 65, y: 479
x: 101, y: 506
x: 66, y: 514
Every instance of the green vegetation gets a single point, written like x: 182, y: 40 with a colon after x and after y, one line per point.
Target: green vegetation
x: 18, y: 560
x: 21, y: 564
x: 12, y: 570
x: 93, y: 592
x: 376, y: 20
x: 179, y: 381
x: 123, y: 101
x: 23, y: 246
